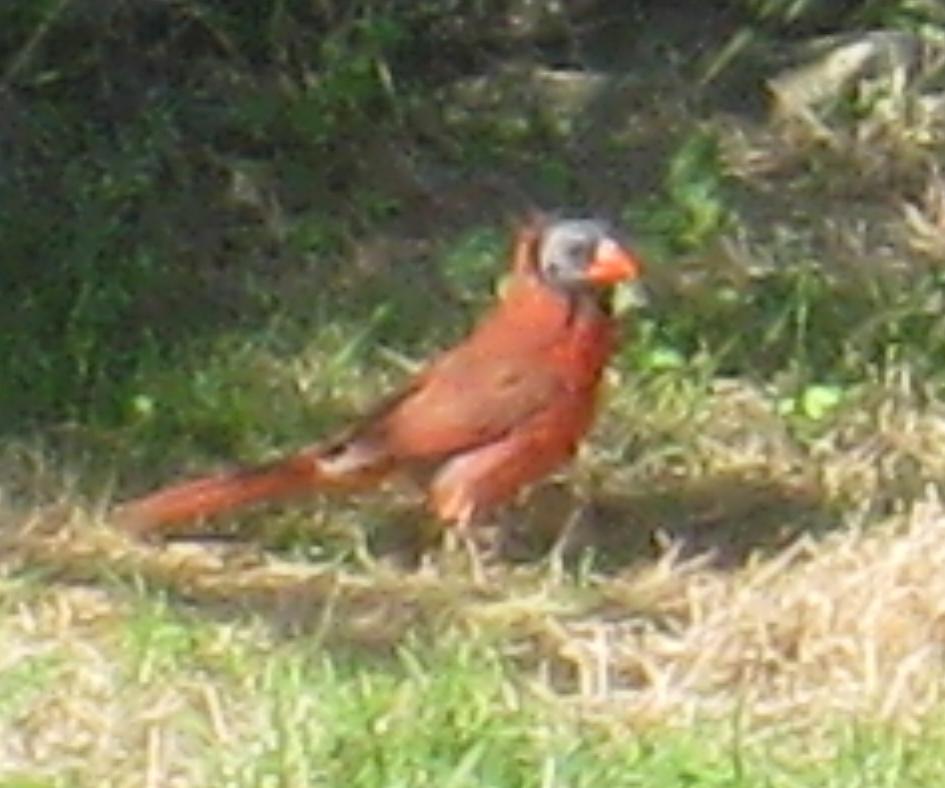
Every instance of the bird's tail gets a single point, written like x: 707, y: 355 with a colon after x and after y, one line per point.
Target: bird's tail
x: 210, y: 496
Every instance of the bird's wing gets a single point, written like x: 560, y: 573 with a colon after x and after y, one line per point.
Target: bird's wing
x: 465, y: 400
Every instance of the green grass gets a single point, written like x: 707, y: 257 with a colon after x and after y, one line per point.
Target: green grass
x: 225, y: 704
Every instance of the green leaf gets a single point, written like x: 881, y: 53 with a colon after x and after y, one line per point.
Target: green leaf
x: 819, y: 400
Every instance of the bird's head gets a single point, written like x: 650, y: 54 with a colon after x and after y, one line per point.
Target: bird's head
x: 576, y: 254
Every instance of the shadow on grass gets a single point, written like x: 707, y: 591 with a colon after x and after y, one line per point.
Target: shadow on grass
x: 724, y: 520
x: 372, y: 602
x: 161, y: 196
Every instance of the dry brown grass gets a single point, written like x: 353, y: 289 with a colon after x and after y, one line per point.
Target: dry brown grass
x: 737, y: 603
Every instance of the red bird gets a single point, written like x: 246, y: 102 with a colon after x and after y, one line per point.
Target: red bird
x: 497, y: 412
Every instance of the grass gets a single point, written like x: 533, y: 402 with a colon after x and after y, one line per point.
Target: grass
x: 752, y: 592
x: 128, y: 686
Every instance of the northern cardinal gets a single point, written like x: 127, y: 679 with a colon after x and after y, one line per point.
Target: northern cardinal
x: 499, y: 411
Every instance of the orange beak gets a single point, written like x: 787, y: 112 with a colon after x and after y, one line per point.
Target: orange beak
x: 612, y: 264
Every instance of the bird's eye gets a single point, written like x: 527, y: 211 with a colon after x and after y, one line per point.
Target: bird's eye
x: 576, y: 251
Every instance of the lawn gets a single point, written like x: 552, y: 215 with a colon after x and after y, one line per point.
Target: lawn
x: 737, y: 583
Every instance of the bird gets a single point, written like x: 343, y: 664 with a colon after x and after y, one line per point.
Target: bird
x: 480, y: 422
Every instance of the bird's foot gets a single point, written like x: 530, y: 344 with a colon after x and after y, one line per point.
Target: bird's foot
x: 477, y: 545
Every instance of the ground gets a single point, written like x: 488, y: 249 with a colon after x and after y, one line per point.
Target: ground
x: 749, y: 592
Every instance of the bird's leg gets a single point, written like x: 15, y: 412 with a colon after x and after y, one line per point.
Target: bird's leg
x: 460, y: 536
x: 361, y: 550
x: 563, y: 542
